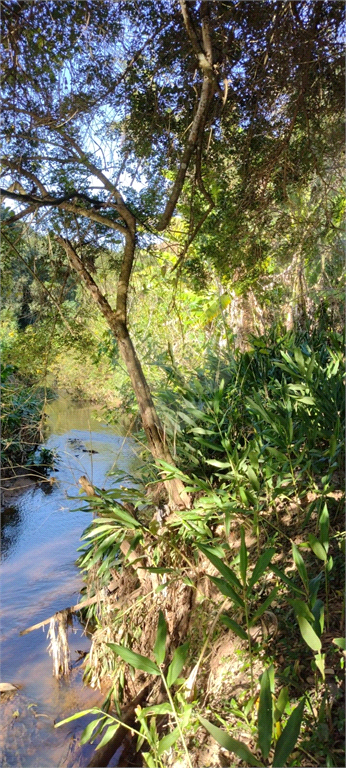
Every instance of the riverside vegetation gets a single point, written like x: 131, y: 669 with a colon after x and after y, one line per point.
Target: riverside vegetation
x: 172, y: 216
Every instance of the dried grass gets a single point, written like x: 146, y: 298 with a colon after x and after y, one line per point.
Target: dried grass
x: 58, y: 646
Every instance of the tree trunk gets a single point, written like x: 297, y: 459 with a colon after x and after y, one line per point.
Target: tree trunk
x: 116, y: 320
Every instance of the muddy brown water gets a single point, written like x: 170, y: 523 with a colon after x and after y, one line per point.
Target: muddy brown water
x: 40, y: 535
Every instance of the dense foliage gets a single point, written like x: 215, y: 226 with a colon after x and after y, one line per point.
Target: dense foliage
x: 172, y: 212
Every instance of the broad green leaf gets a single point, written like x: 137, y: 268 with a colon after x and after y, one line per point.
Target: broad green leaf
x: 226, y: 572
x: 262, y: 563
x: 302, y: 609
x: 178, y: 661
x: 281, y: 703
x: 243, y: 555
x: 265, y: 715
x: 111, y: 730
x: 340, y: 642
x: 309, y: 634
x: 232, y: 745
x: 168, y: 741
x: 227, y: 590
x: 317, y: 548
x: 299, y: 562
x: 135, y: 659
x: 234, y: 626
x: 160, y: 642
x: 264, y: 606
x: 320, y: 661
x: 289, y: 736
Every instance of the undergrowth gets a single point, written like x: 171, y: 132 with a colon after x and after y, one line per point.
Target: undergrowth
x: 255, y: 568
x: 21, y: 420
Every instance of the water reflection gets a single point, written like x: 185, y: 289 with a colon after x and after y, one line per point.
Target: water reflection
x: 11, y: 520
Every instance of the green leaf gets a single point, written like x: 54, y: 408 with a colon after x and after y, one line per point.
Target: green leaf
x: 286, y: 579
x: 317, y: 548
x: 111, y: 730
x: 340, y: 642
x: 234, y: 626
x: 227, y: 590
x: 253, y: 478
x: 232, y: 745
x: 264, y: 606
x: 158, y: 709
x: 265, y: 715
x: 281, y: 704
x: 177, y: 663
x: 302, y: 609
x: 289, y: 736
x: 262, y: 563
x: 93, y: 711
x: 314, y: 585
x: 226, y: 572
x: 320, y: 661
x: 299, y: 562
x: 135, y: 659
x: 160, y: 642
x: 167, y: 741
x: 243, y: 555
x: 309, y: 634
x: 90, y: 728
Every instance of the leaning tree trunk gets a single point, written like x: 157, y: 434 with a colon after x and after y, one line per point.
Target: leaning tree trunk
x: 116, y: 320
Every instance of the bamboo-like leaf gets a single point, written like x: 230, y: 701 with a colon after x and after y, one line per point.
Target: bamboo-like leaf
x: 320, y: 661
x: 317, y: 548
x: 286, y: 579
x: 299, y: 562
x: 160, y: 642
x: 234, y: 626
x: 93, y: 711
x: 302, y: 609
x: 340, y: 642
x: 232, y: 745
x: 227, y: 590
x: 111, y: 730
x: 167, y: 741
x: 324, y: 527
x: 178, y: 661
x: 289, y: 736
x: 224, y: 569
x: 265, y: 715
x: 158, y: 709
x: 135, y: 659
x: 309, y: 634
x: 253, y: 478
x: 264, y: 606
x: 243, y: 555
x: 281, y: 703
x: 314, y: 587
x: 90, y: 728
x: 262, y: 563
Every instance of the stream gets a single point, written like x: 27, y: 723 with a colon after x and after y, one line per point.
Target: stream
x: 40, y: 536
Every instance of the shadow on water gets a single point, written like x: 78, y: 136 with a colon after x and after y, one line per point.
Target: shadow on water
x: 41, y: 533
